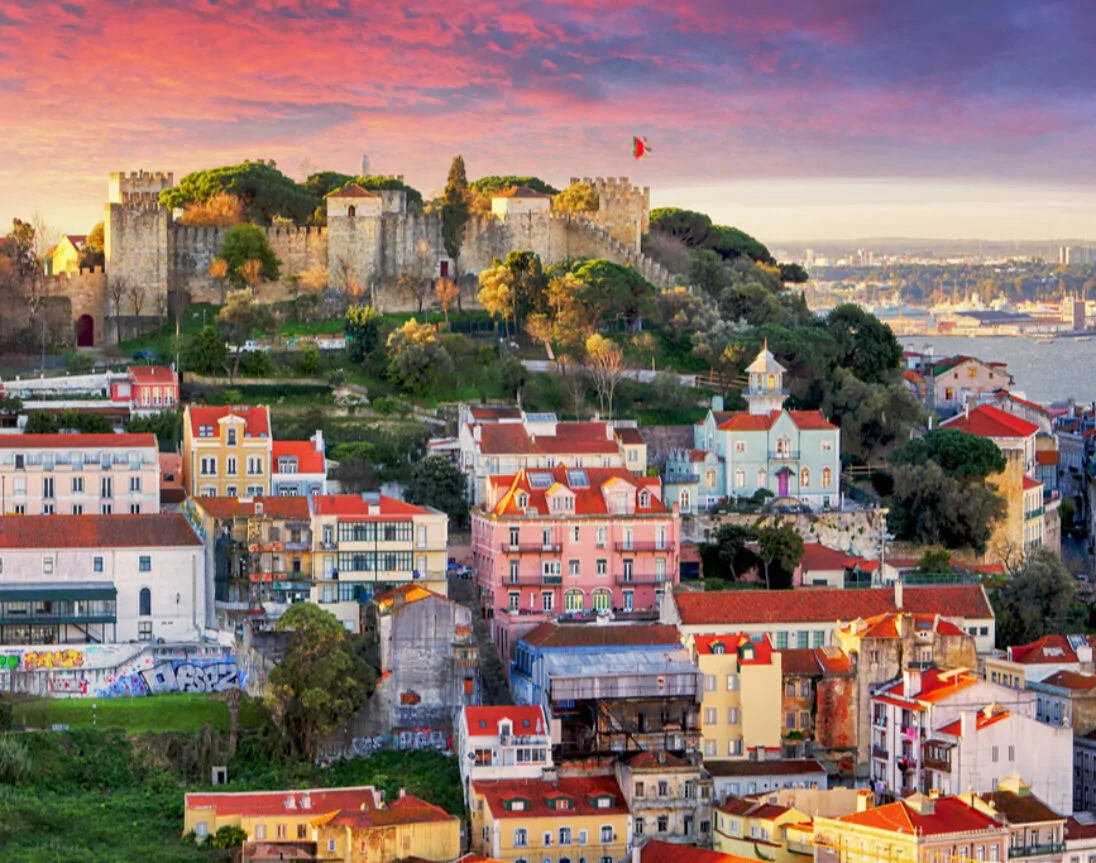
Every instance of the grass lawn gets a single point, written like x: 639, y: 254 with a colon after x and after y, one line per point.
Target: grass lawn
x: 184, y: 713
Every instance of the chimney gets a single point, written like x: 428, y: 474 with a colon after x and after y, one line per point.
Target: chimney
x: 968, y: 724
x: 911, y: 679
x: 864, y: 799
x: 1084, y: 656
x: 403, y: 792
x: 717, y: 404
x: 898, y: 593
x: 477, y: 433
x: 317, y: 441
x: 637, y: 854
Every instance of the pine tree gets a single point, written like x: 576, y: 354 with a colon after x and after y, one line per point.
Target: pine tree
x: 454, y: 208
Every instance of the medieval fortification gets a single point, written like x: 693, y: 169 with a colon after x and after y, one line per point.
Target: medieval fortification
x: 370, y: 239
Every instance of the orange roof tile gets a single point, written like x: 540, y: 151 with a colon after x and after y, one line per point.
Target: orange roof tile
x: 256, y: 418
x: 152, y: 374
x: 762, y: 649
x: 407, y: 809
x: 357, y: 506
x: 990, y: 422
x: 657, y: 851
x: 319, y: 801
x: 564, y: 635
x: 949, y: 815
x: 1048, y: 649
x: 273, y: 507
x: 589, y: 497
x: 653, y: 760
x: 537, y: 792
x: 955, y: 727
x: 1030, y: 483
x: 520, y: 192
x: 309, y: 460
x: 1070, y: 680
x: 731, y: 607
x: 489, y: 412
x: 1048, y: 456
x: 97, y: 531
x: 936, y: 685
x: 804, y: 421
x: 484, y: 721
x: 78, y: 441
x: 353, y: 191
x: 886, y: 625
x: 818, y: 557
x: 578, y: 438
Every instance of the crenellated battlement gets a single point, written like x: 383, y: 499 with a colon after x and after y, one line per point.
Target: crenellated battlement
x: 617, y: 189
x: 125, y: 187
x: 302, y: 231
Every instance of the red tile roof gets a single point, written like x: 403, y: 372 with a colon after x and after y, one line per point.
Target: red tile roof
x: 733, y: 607
x: 804, y: 421
x: 590, y: 499
x: 762, y: 649
x: 656, y: 851
x: 1020, y: 808
x: 1030, y: 483
x: 654, y: 760
x: 484, y: 721
x: 487, y: 412
x: 565, y: 635
x: 353, y: 191
x: 97, y: 531
x: 320, y: 801
x: 537, y: 791
x: 784, y: 767
x: 256, y: 418
x: 1071, y: 680
x: 407, y: 809
x: 1039, y: 408
x: 1075, y: 830
x: 949, y: 815
x: 520, y: 192
x: 308, y: 459
x: 936, y: 685
x: 887, y: 625
x: 236, y: 507
x: 78, y: 441
x: 1048, y: 649
x: 814, y: 661
x: 630, y: 436
x: 357, y: 506
x: 990, y: 422
x: 578, y: 438
x: 152, y: 375
x: 984, y: 720
x: 817, y: 557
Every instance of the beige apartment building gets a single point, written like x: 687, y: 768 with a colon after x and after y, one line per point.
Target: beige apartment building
x: 227, y: 451
x: 79, y: 474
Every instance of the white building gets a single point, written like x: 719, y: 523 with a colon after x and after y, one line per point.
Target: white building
x: 300, y: 467
x: 511, y: 742
x: 79, y: 474
x: 100, y: 579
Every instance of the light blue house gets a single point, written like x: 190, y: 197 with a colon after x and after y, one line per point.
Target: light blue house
x: 793, y: 454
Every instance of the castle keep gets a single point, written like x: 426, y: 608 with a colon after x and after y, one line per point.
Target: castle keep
x: 371, y: 238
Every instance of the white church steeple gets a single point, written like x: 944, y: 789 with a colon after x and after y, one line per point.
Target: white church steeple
x: 766, y: 391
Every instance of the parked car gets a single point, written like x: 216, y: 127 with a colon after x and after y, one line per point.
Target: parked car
x: 142, y: 356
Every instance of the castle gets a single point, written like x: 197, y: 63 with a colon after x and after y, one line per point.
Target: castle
x: 371, y: 238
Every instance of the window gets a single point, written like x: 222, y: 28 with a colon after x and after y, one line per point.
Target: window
x: 572, y: 567
x: 77, y: 509
x: 782, y: 642
x: 97, y: 564
x: 231, y: 435
x: 733, y: 716
x: 663, y: 823
x: 144, y: 563
x: 1012, y: 753
x: 575, y: 534
x: 818, y: 638
x: 629, y: 600
x: 254, y: 465
x: 573, y: 601
x: 230, y: 465
x: 804, y: 688
x: 581, y: 837
x: 606, y: 835
x: 709, y: 683
x: 711, y: 716
x: 521, y: 838
x: 993, y: 755
x: 514, y: 602
x: 330, y: 846
x: 145, y: 602
x: 47, y: 486
x: 827, y: 477
x: 47, y: 509
x: 804, y: 478
x: 740, y: 478
x: 260, y: 831
x: 201, y: 829
x: 77, y: 484
x: 789, y: 719
x: 602, y: 600
x: 208, y: 466
x: 281, y: 830
x: 104, y: 508
x: 732, y: 683
x: 734, y: 747
x: 602, y: 537
x: 546, y: 600
x: 804, y: 719
x: 564, y: 835
x: 740, y: 446
x: 639, y: 826
x: 709, y: 478
x: 134, y: 509
x: 602, y: 566
x: 709, y: 748
x: 47, y: 566
x: 302, y: 831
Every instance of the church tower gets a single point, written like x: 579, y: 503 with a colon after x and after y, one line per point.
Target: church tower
x: 766, y: 392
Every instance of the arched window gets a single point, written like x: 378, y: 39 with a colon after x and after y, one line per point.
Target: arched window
x: 351, y: 211
x: 772, y: 382
x: 523, y: 500
x: 783, y: 446
x: 827, y: 477
x: 145, y: 602
x: 762, y: 478
x: 603, y: 599
x: 710, y: 477
x: 644, y: 499
x: 804, y: 478
x: 718, y: 649
x: 685, y: 500
x: 740, y: 478
x: 573, y: 600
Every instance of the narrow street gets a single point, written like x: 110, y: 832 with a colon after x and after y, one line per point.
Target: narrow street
x: 492, y: 675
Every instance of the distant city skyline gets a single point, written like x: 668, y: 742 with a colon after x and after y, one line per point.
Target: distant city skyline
x: 786, y: 118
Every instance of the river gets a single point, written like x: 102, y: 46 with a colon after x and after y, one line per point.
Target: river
x: 1065, y: 368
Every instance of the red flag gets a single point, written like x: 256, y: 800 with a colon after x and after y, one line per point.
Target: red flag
x: 640, y: 149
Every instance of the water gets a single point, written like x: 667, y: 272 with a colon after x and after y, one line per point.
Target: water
x: 1063, y: 369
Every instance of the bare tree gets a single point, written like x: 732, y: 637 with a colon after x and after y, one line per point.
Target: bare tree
x: 29, y: 242
x: 606, y: 364
x: 424, y: 270
x: 117, y: 287
x: 136, y: 296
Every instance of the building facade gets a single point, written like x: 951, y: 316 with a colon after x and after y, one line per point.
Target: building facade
x: 502, y: 742
x: 227, y: 451
x: 79, y: 474
x: 571, y: 542
x: 670, y: 798
x: 300, y: 467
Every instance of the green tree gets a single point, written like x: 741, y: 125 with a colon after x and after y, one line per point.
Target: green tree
x: 244, y: 244
x: 931, y: 508
x: 727, y: 555
x: 794, y: 274
x: 577, y: 198
x: 439, y: 483
x: 873, y: 417
x: 1038, y: 600
x: 241, y: 317
x: 865, y: 345
x: 310, y: 358
x: 79, y: 364
x: 498, y: 294
x: 228, y: 837
x: 961, y: 454
x: 494, y: 184
x: 42, y: 422
x: 205, y: 354
x: 166, y: 425
x: 778, y: 544
x: 320, y: 682
x: 454, y: 209
x: 264, y: 190
x: 416, y: 357
x: 611, y: 293
x: 935, y: 561
x: 363, y: 331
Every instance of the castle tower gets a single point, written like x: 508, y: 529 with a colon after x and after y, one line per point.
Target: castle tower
x: 354, y: 236
x: 623, y: 210
x: 766, y: 391
x: 135, y: 231
x: 526, y: 213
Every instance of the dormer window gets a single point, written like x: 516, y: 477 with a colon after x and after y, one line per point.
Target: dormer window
x: 746, y: 652
x: 505, y: 728
x: 718, y: 649
x: 523, y: 500
x: 231, y: 436
x: 644, y: 498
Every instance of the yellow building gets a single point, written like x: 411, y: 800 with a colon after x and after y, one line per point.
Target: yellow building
x: 409, y: 827
x: 272, y: 816
x: 367, y: 544
x: 227, y: 451
x: 740, y: 712
x: 65, y: 256
x: 759, y: 830
x: 539, y: 819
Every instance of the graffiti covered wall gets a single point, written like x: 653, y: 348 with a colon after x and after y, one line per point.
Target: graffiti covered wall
x: 119, y: 670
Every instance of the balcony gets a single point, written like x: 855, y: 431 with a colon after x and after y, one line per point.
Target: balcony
x: 643, y: 546
x: 880, y: 752
x: 938, y: 765
x: 639, y: 578
x: 298, y: 545
x: 879, y: 721
x: 680, y: 478
x: 1055, y: 848
x: 532, y: 579
x: 1034, y: 513
x: 784, y: 455
x: 531, y: 548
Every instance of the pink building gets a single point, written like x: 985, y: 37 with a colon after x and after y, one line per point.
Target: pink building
x: 150, y: 389
x: 570, y: 542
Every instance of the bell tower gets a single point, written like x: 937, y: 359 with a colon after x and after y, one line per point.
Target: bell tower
x: 766, y: 391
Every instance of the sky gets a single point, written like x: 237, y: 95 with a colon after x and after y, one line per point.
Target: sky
x: 787, y: 118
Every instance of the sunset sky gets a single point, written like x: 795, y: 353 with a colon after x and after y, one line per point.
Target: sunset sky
x: 789, y: 118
